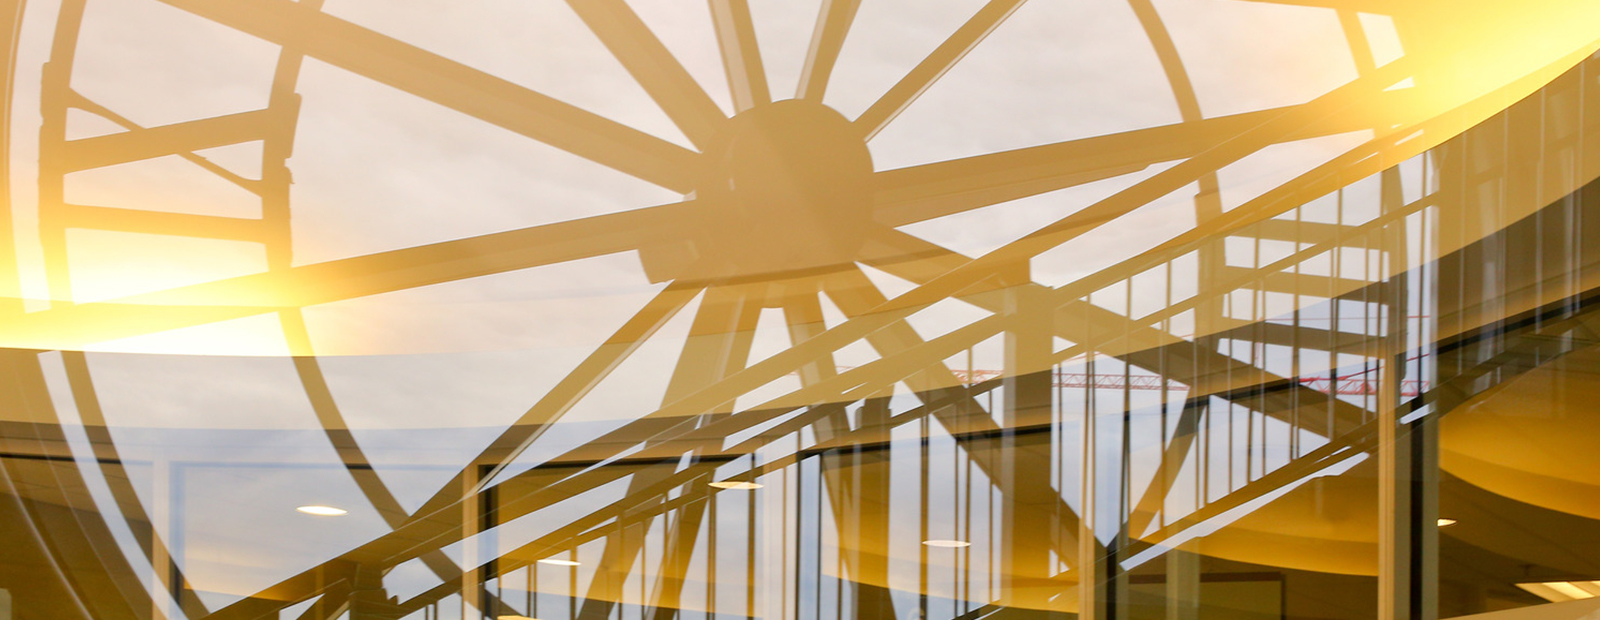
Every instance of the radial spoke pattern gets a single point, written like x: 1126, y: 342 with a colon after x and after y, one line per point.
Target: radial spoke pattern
x: 1036, y: 458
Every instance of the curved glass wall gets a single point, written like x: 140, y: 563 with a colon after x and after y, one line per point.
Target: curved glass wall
x: 606, y: 309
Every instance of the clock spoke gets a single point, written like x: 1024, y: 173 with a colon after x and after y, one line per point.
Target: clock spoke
x: 456, y: 86
x: 653, y: 67
x: 348, y: 278
x: 833, y: 24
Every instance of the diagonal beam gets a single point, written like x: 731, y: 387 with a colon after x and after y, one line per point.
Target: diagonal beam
x: 1339, y: 100
x: 175, y: 139
x: 1400, y: 141
x: 909, y: 195
x: 681, y: 538
x: 1336, y: 451
x: 884, y: 313
x: 1083, y: 322
x: 856, y: 296
x: 718, y: 344
x: 939, y: 62
x: 342, y: 279
x: 946, y: 285
x: 439, y: 527
x: 820, y: 336
x: 455, y: 86
x: 1161, y: 351
x: 741, y: 55
x: 1173, y: 455
x: 1268, y: 332
x: 829, y: 340
x: 332, y: 421
x: 572, y: 388
x: 630, y: 510
x: 804, y: 318
x: 136, y: 144
x: 434, y: 522
x: 833, y: 24
x: 653, y: 67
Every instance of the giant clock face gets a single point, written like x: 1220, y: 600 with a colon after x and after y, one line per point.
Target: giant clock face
x: 390, y: 254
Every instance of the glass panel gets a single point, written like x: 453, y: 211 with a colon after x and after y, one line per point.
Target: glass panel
x: 1197, y: 309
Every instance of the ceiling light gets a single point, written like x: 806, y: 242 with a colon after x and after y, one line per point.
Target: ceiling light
x: 1562, y: 591
x: 736, y: 485
x: 555, y: 562
x: 323, y: 511
x: 1443, y: 522
x: 1569, y: 589
x: 947, y: 544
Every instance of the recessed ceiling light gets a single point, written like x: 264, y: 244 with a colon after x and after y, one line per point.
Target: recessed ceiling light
x: 555, y: 562
x: 948, y: 544
x: 1563, y: 591
x: 1443, y: 522
x: 323, y: 511
x: 736, y: 485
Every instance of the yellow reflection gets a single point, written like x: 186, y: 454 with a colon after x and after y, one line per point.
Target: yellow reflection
x: 253, y: 336
x: 1461, y: 61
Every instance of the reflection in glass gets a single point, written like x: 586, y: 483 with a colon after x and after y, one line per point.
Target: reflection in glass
x: 1181, y: 309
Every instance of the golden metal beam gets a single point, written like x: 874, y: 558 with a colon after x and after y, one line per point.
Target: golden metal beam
x: 354, y: 459
x: 159, y: 223
x: 174, y: 139
x: 833, y: 24
x: 318, y: 283
x: 138, y: 144
x: 757, y: 374
x: 1095, y: 328
x: 653, y: 67
x: 719, y: 344
x: 741, y: 55
x: 436, y: 525
x: 940, y: 61
x: 594, y: 369
x: 908, y: 195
